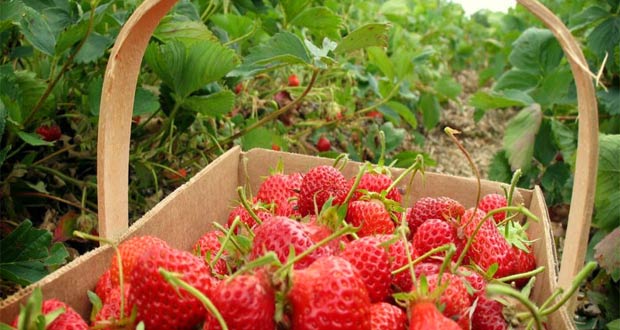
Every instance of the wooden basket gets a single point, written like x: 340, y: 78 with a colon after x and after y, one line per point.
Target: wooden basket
x: 185, y: 214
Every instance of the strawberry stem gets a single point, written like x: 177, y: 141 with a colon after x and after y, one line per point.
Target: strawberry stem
x: 418, y: 165
x: 345, y: 230
x: 452, y: 132
x: 510, y: 278
x: 579, y: 278
x: 504, y: 290
x: 246, y: 205
x: 419, y: 259
x: 220, y: 251
x: 119, y: 261
x: 175, y: 280
x: 356, y: 183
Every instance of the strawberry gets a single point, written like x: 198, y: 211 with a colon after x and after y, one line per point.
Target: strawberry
x: 375, y: 182
x: 318, y: 231
x: 283, y: 191
x: 68, y: 320
x: 245, y: 302
x: 433, y: 233
x: 424, y: 315
x: 455, y: 298
x: 159, y: 304
x: 239, y: 88
x: 491, y: 202
x: 489, y: 246
x: 110, y: 313
x: 524, y: 262
x: 245, y: 217
x: 207, y: 247
x: 104, y: 286
x: 426, y: 269
x: 323, y: 144
x: 397, y: 251
x: 49, y: 133
x: 329, y: 295
x: 280, y: 234
x: 293, y: 80
x: 373, y: 264
x: 433, y: 208
x: 385, y: 316
x: 130, y: 251
x: 488, y: 315
x: 320, y: 184
x: 275, y: 147
x: 371, y: 216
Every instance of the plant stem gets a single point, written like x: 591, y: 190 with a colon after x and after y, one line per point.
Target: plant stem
x: 58, y: 199
x: 500, y: 289
x: 270, y: 116
x: 65, y: 177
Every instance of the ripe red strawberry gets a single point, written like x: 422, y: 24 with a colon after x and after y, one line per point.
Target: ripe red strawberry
x: 239, y: 88
x: 130, y: 251
x: 489, y: 246
x: 433, y: 208
x: 491, y: 202
x: 245, y: 217
x: 455, y: 298
x: 385, y: 316
x: 426, y: 269
x: 371, y: 216
x: 68, y: 320
x: 318, y: 185
x: 375, y: 182
x: 104, y: 286
x: 283, y: 191
x: 329, y: 295
x: 280, y: 234
x: 275, y: 147
x: 524, y: 262
x: 110, y: 313
x: 245, y: 302
x: 318, y: 231
x: 49, y: 132
x: 397, y: 252
x: 207, y: 247
x: 373, y: 263
x: 434, y: 233
x: 159, y: 304
x: 425, y: 315
x: 488, y: 315
x: 293, y: 80
x: 323, y: 144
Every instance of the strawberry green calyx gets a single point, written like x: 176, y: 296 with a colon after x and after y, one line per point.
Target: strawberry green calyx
x: 246, y: 205
x: 175, y: 280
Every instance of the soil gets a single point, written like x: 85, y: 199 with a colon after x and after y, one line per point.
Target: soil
x: 482, y: 139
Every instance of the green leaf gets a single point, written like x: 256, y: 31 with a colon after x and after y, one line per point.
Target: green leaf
x: 604, y: 38
x: 431, y: 111
x: 517, y: 79
x: 447, y: 87
x: 26, y: 252
x: 260, y: 137
x: 553, y: 182
x: 393, y: 136
x: 536, y: 51
x: 319, y: 20
x: 10, y: 12
x: 145, y: 102
x: 35, y: 28
x: 553, y: 88
x: 607, y: 196
x: 31, y: 90
x: 588, y: 16
x: 33, y: 139
x: 520, y: 136
x: 378, y: 57
x: 180, y: 28
x: 499, y: 100
x: 234, y: 25
x: 187, y: 68
x: 499, y: 169
x: 292, y: 8
x: 374, y: 34
x: 213, y: 105
x: 71, y: 36
x: 610, y: 100
x: 94, y: 48
x: 566, y: 139
x: 613, y: 325
x: 3, y: 115
x: 544, y: 148
x: 403, y: 111
x: 282, y: 48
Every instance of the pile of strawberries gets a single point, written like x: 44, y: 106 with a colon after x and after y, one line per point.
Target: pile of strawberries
x: 318, y: 250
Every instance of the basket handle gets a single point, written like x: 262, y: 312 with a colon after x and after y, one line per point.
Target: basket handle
x: 584, y: 186
x: 117, y: 99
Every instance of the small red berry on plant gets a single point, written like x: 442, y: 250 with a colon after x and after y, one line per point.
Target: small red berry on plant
x: 323, y: 144
x: 293, y: 80
x: 49, y: 132
x: 239, y: 88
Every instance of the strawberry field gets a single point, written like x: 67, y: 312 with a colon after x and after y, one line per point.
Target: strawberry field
x: 377, y: 82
